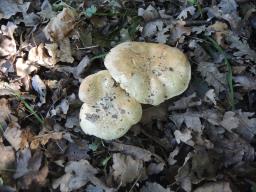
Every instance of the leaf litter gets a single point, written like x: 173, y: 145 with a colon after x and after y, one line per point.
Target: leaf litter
x: 202, y: 140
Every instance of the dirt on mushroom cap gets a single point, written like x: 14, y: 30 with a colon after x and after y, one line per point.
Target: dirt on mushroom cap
x: 108, y: 111
x: 151, y: 73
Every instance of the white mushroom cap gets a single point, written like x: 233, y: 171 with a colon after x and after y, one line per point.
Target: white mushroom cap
x: 150, y: 72
x: 108, y: 111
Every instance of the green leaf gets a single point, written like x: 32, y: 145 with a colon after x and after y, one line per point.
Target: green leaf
x: 90, y: 11
x: 94, y: 146
x: 104, y: 162
x: 193, y: 2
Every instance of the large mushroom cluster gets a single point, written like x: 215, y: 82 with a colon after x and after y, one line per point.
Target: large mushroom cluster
x: 137, y: 73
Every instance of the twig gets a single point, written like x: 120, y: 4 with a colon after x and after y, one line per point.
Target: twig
x: 196, y: 23
x: 133, y: 185
x: 89, y: 47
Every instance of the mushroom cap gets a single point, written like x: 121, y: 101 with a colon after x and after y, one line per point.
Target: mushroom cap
x: 108, y: 111
x: 150, y: 72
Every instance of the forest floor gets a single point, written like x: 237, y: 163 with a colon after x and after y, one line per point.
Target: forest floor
x: 203, y: 140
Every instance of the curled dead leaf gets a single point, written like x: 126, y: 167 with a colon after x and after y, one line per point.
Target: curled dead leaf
x: 44, y: 139
x: 15, y: 136
x: 24, y: 68
x: 61, y: 25
x: 45, y: 55
x: 7, y: 41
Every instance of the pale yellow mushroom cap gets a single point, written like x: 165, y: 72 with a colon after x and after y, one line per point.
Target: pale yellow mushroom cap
x: 150, y: 72
x: 108, y: 111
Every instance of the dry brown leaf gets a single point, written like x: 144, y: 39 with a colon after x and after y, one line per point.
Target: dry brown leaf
x: 183, y: 176
x: 178, y: 32
x: 46, y: 10
x: 229, y: 121
x: 72, y: 120
x: 7, y: 157
x: 218, y: 26
x: 242, y: 47
x: 199, y: 53
x: 7, y: 41
x: 184, y: 13
x: 220, y: 29
x: 136, y: 152
x: 31, y: 19
x: 43, y: 139
x: 246, y: 82
x: 39, y: 86
x: 77, y: 151
x: 49, y: 54
x: 190, y: 118
x: 199, y: 165
x: 185, y: 102
x: 34, y: 178
x: 63, y: 107
x: 216, y: 186
x: 247, y: 125
x: 80, y: 68
x: 241, y: 123
x: 228, y: 6
x: 153, y: 187
x: 77, y: 174
x: 184, y: 136
x: 231, y: 148
x: 61, y: 25
x: 27, y: 163
x: 24, y: 68
x: 28, y: 169
x: 233, y: 18
x: 126, y: 169
x: 92, y: 188
x: 9, y: 8
x: 64, y: 53
x: 162, y: 36
x: 150, y: 13
x: 210, y: 96
x: 172, y: 155
x: 18, y: 138
x: 212, y: 76
x: 158, y: 30
x: 197, y: 30
x: 13, y: 134
x: 5, y: 111
x: 152, y: 27
x: 8, y: 88
x: 212, y: 116
x: 40, y: 56
x: 155, y: 168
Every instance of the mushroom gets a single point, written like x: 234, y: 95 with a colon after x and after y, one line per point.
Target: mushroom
x: 108, y: 111
x: 150, y: 72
